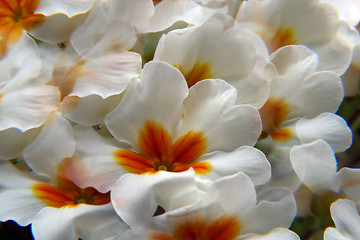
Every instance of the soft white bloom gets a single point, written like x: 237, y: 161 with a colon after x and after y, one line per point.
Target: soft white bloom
x: 168, y: 127
x: 211, y: 52
x: 225, y: 209
x: 309, y: 22
x: 55, y: 205
x: 300, y: 96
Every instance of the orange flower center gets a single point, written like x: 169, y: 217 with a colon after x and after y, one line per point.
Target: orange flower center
x: 282, y: 37
x: 200, y: 71
x: 66, y: 193
x: 17, y: 15
x: 159, y: 153
x: 224, y: 228
x: 273, y: 114
x: 156, y: 2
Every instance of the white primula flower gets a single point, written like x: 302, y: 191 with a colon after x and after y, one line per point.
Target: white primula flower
x: 55, y: 206
x: 210, y: 52
x: 33, y: 16
x: 347, y: 220
x: 308, y: 22
x: 171, y: 128
x: 302, y: 102
x: 225, y: 209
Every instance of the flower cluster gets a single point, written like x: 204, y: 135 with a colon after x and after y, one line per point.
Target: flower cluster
x: 176, y: 119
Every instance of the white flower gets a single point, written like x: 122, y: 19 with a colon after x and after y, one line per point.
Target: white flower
x: 210, y: 52
x: 168, y: 127
x: 225, y: 209
x: 309, y: 22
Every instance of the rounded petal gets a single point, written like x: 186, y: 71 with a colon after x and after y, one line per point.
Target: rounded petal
x: 245, y: 159
x: 13, y: 141
x: 136, y: 206
x: 54, y: 143
x: 158, y: 97
x: 315, y: 165
x: 276, y: 208
x: 350, y: 183
x: 346, y: 217
x: 210, y: 108
x: 327, y: 126
x: 74, y: 222
x: 236, y: 193
x: 276, y: 234
x: 96, y: 156
x: 67, y: 7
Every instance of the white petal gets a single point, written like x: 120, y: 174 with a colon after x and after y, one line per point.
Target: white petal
x: 244, y: 159
x: 16, y: 197
x: 54, y: 143
x: 107, y: 75
x: 90, y: 110
x: 330, y: 127
x: 333, y: 234
x: 315, y: 165
x: 346, y: 217
x: 340, y: 48
x: 13, y: 142
x: 67, y: 7
x: 27, y: 105
x: 236, y: 194
x: 276, y: 234
x: 350, y: 183
x: 73, y: 222
x: 158, y: 97
x: 96, y: 155
x: 136, y: 206
x: 210, y: 108
x: 276, y: 208
x: 57, y: 28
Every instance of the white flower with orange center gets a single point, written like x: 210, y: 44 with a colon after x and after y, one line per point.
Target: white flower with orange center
x: 52, y: 202
x: 53, y: 208
x: 211, y: 52
x: 19, y: 17
x: 299, y: 91
x: 163, y: 126
x: 310, y: 22
x: 192, y: 209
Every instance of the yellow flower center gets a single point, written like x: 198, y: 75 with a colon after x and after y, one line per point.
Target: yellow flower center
x: 159, y: 153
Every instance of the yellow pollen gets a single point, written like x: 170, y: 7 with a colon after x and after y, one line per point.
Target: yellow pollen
x: 80, y: 201
x: 162, y: 168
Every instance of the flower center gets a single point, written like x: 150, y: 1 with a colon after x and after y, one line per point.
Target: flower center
x: 199, y: 71
x: 273, y: 114
x: 159, y: 153
x: 15, y: 16
x: 282, y: 37
x: 66, y: 193
x: 226, y: 227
